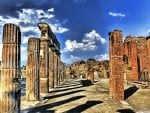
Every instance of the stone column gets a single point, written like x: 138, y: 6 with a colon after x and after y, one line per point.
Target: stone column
x: 55, y: 70
x: 58, y: 68
x: 116, y: 65
x: 44, y: 58
x: 10, y: 71
x: 51, y: 68
x: 32, y: 79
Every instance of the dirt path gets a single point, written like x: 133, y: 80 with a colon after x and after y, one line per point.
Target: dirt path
x: 78, y: 96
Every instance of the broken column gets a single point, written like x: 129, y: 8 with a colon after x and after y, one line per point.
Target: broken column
x: 44, y: 58
x: 10, y: 70
x: 116, y: 65
x: 32, y: 77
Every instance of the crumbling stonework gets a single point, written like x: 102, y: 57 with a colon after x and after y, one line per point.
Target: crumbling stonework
x: 80, y: 68
x: 137, y: 55
x: 10, y: 70
x: 32, y: 74
x: 116, y: 65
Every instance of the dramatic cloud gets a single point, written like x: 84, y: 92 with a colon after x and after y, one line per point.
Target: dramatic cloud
x: 102, y: 57
x: 93, y: 36
x: 116, y: 14
x: 28, y: 18
x: 89, y: 42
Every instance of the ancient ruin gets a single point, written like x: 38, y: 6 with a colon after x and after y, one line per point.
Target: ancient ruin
x: 80, y: 68
x: 46, y: 73
x: 136, y: 58
x: 10, y: 70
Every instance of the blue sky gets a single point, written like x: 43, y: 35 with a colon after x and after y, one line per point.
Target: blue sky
x: 81, y: 26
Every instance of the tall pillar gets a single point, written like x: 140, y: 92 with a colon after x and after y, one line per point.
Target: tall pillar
x: 10, y: 71
x: 55, y: 70
x: 44, y: 58
x: 58, y: 68
x: 32, y: 79
x: 116, y: 65
x: 51, y: 68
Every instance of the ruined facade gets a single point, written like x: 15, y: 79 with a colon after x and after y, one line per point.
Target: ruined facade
x: 116, y: 65
x: 136, y: 58
x: 80, y: 68
x: 10, y: 70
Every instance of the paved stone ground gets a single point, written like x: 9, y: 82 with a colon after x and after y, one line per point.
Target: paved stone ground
x: 80, y: 96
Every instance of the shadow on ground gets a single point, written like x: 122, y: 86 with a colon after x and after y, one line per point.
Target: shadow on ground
x: 63, y: 94
x: 46, y: 108
x: 130, y: 91
x: 83, y: 107
x: 125, y: 111
x: 86, y: 82
x: 59, y: 90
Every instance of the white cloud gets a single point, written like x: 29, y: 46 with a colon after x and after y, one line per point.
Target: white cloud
x: 102, y: 57
x: 58, y: 29
x: 114, y: 14
x: 51, y: 10
x: 89, y: 42
x: 32, y: 17
x: 92, y: 36
x: 72, y: 45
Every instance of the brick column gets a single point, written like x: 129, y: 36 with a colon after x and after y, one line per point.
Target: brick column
x: 10, y: 71
x: 32, y: 79
x: 116, y: 65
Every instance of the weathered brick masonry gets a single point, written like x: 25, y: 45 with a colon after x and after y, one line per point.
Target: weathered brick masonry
x: 116, y: 65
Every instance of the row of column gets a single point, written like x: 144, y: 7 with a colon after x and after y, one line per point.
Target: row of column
x: 43, y: 64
